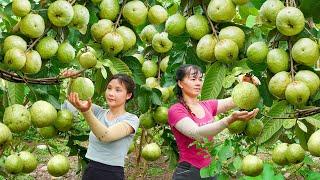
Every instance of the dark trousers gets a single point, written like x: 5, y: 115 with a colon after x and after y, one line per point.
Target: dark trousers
x: 185, y: 171
x: 99, y: 171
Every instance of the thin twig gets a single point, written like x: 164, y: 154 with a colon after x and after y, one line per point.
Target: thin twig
x: 35, y: 95
x: 16, y: 27
x: 294, y: 3
x: 140, y: 147
x: 291, y: 59
x: 275, y: 41
x: 139, y: 152
x: 48, y: 148
x: 120, y: 14
x: 12, y: 148
x: 159, y: 70
x: 299, y: 167
x: 72, y: 2
x: 210, y: 22
x: 35, y: 42
x: 38, y: 10
x: 1, y: 150
x: 147, y: 4
x: 313, y: 37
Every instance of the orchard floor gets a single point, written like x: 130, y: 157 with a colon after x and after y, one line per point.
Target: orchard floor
x: 157, y: 170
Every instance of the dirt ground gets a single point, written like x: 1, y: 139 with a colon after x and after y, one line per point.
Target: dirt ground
x: 148, y: 171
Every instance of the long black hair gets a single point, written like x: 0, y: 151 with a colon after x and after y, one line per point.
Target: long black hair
x: 182, y: 72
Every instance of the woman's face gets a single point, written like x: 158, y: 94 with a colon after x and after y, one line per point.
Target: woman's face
x: 191, y: 84
x: 116, y: 93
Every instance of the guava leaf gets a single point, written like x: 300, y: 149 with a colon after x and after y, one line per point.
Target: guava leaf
x: 271, y: 126
x: 310, y: 8
x: 15, y: 93
x: 213, y: 81
x: 135, y: 66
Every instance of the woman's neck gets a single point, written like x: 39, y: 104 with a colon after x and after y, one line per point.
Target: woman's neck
x: 117, y: 111
x: 190, y: 100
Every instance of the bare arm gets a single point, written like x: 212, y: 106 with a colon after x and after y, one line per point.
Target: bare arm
x: 225, y: 105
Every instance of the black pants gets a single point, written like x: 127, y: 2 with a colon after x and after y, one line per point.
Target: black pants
x: 185, y: 171
x: 99, y: 171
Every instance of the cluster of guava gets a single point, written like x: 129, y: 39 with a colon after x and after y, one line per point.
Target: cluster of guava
x: 252, y: 128
x: 226, y: 45
x: 17, y: 118
x: 289, y: 21
x: 41, y: 114
x: 18, y: 56
x: 26, y: 162
x: 284, y: 154
x: 150, y: 119
x: 115, y: 39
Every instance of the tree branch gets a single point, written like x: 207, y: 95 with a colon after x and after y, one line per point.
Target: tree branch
x: 13, y: 77
x: 299, y: 113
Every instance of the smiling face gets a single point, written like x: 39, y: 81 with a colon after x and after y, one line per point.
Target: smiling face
x: 116, y: 93
x: 191, y: 84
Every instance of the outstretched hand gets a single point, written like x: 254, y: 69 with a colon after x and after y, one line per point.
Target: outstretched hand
x: 82, y: 106
x: 244, y: 115
x: 70, y: 73
x: 249, y: 78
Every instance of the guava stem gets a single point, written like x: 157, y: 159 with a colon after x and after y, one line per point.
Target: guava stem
x: 188, y: 8
x: 313, y: 37
x: 140, y: 147
x: 275, y: 41
x: 287, y: 3
x: 291, y: 59
x: 147, y: 4
x: 35, y: 95
x: 15, y: 28
x: 293, y: 3
x: 12, y: 148
x: 38, y: 10
x: 299, y: 167
x: 49, y: 149
x: 210, y: 22
x: 1, y: 150
x: 72, y: 2
x: 35, y: 42
x: 159, y: 70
